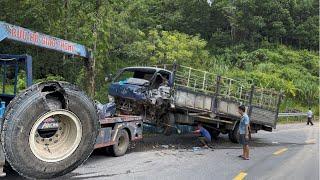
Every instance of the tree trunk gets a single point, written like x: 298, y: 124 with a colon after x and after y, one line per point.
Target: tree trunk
x: 65, y: 11
x: 90, y: 76
x: 91, y: 62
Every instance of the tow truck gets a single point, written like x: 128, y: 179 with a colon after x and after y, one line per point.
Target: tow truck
x: 51, y: 128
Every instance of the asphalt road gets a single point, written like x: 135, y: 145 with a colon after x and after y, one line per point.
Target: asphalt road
x: 290, y: 152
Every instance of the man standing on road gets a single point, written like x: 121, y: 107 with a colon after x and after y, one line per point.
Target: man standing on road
x: 244, y: 131
x: 204, y: 137
x: 309, y: 115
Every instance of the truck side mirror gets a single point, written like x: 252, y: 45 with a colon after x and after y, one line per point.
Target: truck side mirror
x: 108, y: 78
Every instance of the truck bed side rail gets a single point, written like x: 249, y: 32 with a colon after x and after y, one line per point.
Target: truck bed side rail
x: 265, y: 98
x: 203, y: 91
x: 210, y: 83
x: 224, y: 87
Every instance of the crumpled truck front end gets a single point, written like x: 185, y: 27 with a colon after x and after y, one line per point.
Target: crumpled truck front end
x: 128, y: 91
x: 130, y: 95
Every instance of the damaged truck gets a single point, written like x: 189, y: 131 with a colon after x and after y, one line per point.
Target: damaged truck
x: 175, y: 94
x: 143, y: 91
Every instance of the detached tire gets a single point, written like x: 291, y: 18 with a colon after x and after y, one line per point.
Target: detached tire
x: 121, y: 145
x: 49, y: 130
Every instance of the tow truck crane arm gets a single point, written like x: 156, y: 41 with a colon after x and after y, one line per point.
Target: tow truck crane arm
x: 23, y: 35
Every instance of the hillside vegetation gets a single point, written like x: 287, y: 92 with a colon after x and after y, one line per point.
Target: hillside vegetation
x: 272, y: 43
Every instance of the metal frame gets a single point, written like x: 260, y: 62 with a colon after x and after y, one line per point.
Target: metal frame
x: 14, y: 60
x: 20, y: 34
x: 190, y: 78
x: 222, y: 88
x: 226, y: 88
x: 26, y: 59
x: 27, y: 36
x: 111, y: 126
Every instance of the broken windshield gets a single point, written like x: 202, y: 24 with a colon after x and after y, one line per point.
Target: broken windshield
x: 145, y: 74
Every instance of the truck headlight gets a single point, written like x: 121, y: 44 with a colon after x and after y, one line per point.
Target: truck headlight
x: 111, y: 98
x: 172, y: 105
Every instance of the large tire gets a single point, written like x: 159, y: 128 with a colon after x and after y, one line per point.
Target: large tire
x: 69, y: 109
x: 121, y: 145
x: 234, y: 135
x: 214, y: 133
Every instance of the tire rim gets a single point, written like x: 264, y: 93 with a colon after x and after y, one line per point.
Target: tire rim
x: 55, y: 135
x: 121, y: 142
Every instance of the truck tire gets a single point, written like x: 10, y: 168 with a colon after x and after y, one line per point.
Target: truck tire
x: 121, y: 145
x: 49, y: 130
x: 234, y: 134
x: 169, y: 124
x: 214, y: 133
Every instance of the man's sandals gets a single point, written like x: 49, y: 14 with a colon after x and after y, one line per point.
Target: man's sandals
x: 241, y: 156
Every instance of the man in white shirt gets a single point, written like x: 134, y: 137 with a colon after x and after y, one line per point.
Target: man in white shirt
x: 309, y: 115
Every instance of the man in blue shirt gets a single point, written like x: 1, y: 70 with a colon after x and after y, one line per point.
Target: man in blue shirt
x: 244, y: 131
x: 204, y: 137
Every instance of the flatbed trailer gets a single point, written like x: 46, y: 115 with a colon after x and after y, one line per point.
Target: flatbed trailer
x: 119, y: 129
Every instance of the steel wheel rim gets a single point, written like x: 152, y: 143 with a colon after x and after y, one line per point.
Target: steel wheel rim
x: 121, y: 142
x: 64, y: 140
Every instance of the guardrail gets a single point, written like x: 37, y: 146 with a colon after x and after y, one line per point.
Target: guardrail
x: 291, y: 114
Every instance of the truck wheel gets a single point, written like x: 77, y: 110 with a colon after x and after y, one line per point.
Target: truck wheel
x: 121, y: 145
x: 214, y: 133
x: 169, y: 124
x: 234, y: 134
x: 168, y: 131
x: 49, y: 130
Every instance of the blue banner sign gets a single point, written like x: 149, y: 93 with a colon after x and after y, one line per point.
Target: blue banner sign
x: 16, y: 33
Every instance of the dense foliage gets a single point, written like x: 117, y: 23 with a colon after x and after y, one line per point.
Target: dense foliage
x: 273, y: 43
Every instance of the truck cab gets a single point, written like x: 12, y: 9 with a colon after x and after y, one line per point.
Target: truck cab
x: 134, y: 82
x: 142, y: 91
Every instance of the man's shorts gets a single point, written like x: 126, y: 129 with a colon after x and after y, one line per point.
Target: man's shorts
x: 243, y: 140
x: 204, y: 139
